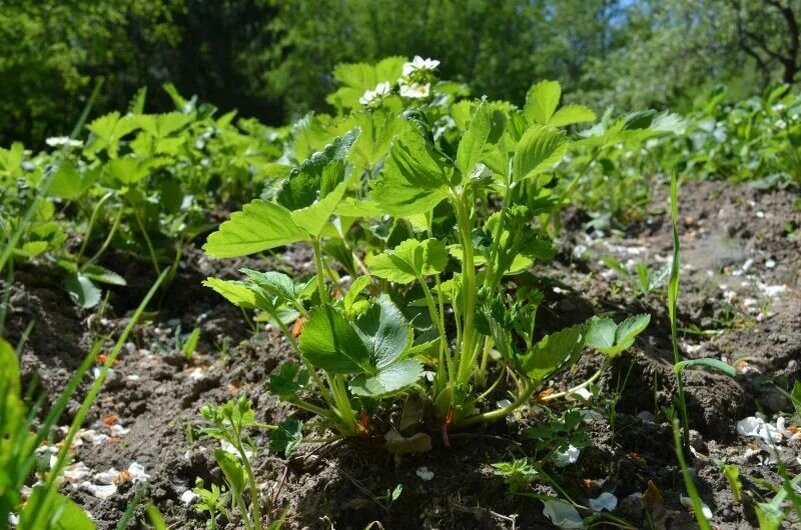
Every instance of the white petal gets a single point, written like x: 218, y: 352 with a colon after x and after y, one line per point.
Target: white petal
x: 137, y: 472
x: 753, y: 426
x: 99, y: 491
x: 76, y: 472
x: 604, y: 501
x: 188, y: 497
x: 107, y: 477
x: 569, y: 456
x: 687, y: 502
x: 562, y: 514
x: 424, y: 473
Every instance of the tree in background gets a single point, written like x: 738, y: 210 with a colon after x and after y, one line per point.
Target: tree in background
x: 272, y: 59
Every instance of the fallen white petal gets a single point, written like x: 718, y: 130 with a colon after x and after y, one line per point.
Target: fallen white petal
x: 562, y: 514
x: 604, y: 501
x: 424, y: 473
x: 137, y: 472
x: 753, y: 426
x: 569, y: 456
x: 188, y: 497
x: 76, y: 472
x: 98, y: 490
x: 226, y: 446
x: 107, y: 477
x: 118, y: 430
x: 687, y: 502
x: 581, y: 393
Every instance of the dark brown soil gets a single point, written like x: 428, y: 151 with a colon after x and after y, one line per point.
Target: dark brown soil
x: 735, y: 252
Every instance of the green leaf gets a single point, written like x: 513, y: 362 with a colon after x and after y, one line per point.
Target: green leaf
x: 358, y: 77
x: 155, y: 517
x: 541, y: 101
x: 770, y: 517
x: 32, y: 248
x: 610, y: 338
x: 332, y: 343
x: 414, y: 179
x: 553, y: 353
x: 318, y: 176
x: 378, y: 128
x: 276, y: 283
x: 128, y: 170
x: 190, y: 345
x: 289, y: 378
x: 70, y: 183
x: 795, y: 397
x: 232, y: 469
x: 350, y: 207
x: 384, y: 332
x: 538, y: 150
x: 107, y: 131
x: 732, y: 475
x: 236, y: 292
x: 409, y: 260
x: 715, y: 364
x: 83, y: 292
x: 259, y: 226
x: 103, y: 275
x: 570, y: 114
x: 54, y: 511
x: 389, y: 380
x: 287, y: 437
x: 313, y: 218
x: 484, y: 130
x: 358, y: 285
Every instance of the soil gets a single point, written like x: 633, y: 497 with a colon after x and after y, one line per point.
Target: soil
x: 740, y: 301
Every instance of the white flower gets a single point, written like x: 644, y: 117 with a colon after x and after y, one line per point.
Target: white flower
x: 415, y: 90
x: 418, y: 63
x: 379, y: 92
x: 56, y: 141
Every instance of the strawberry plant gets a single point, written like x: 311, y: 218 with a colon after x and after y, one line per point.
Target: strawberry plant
x: 443, y: 223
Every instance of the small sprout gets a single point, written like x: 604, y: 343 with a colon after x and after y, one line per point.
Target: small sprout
x: 517, y: 473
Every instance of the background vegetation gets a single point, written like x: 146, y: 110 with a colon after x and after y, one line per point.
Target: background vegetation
x: 272, y: 59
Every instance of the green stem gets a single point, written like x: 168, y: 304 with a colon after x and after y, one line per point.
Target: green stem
x: 573, y: 183
x: 435, y: 318
x: 106, y: 242
x: 482, y: 369
x: 90, y: 225
x: 240, y: 502
x: 318, y: 265
x: 496, y: 238
x: 468, y: 290
x: 503, y: 411
x: 254, y: 492
x: 344, y: 410
x: 573, y: 390
x: 308, y: 407
x: 150, y: 249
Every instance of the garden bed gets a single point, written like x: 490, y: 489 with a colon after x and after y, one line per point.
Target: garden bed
x: 740, y: 301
